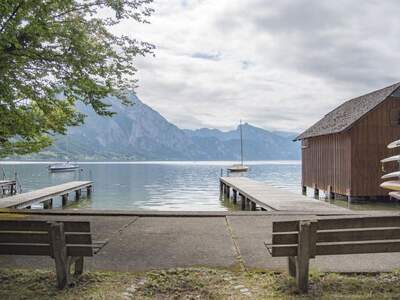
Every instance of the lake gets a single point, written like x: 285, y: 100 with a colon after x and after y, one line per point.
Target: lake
x: 191, y: 186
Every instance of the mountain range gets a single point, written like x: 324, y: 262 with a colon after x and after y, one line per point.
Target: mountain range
x: 140, y: 133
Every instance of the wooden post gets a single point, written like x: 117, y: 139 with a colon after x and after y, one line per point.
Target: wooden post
x: 247, y: 204
x: 316, y: 193
x: 45, y: 205
x: 64, y: 199
x: 234, y: 199
x: 79, y: 266
x: 331, y: 195
x: 242, y: 202
x: 228, y: 192
x: 305, y: 250
x: 292, y: 265
x: 77, y: 194
x: 59, y: 253
x: 89, y: 190
x: 253, y: 206
x: 221, y: 187
x: 304, y: 190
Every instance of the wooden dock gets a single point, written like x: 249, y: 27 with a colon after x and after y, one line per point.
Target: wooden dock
x: 253, y: 195
x: 46, y: 195
x: 8, y: 187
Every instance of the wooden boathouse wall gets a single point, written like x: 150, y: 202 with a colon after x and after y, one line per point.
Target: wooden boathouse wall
x: 348, y: 162
x: 369, y: 138
x: 326, y: 162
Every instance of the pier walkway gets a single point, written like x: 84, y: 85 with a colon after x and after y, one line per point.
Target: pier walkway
x: 254, y: 194
x: 25, y: 200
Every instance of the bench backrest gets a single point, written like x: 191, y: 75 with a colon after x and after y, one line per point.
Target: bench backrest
x: 333, y: 236
x: 32, y: 237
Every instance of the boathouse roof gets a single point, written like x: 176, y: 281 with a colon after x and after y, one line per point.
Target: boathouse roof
x: 345, y: 115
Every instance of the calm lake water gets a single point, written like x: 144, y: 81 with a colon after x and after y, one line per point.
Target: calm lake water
x: 192, y: 186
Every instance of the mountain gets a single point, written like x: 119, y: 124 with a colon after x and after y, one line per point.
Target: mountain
x: 140, y: 133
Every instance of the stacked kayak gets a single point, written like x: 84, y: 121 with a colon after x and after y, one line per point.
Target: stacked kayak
x: 393, y: 183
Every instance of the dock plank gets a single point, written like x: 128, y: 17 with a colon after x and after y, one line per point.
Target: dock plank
x: 273, y: 198
x: 37, y: 196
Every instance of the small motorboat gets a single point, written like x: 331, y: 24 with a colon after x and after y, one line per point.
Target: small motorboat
x: 63, y: 167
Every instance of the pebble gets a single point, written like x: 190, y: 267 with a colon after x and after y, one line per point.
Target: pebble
x: 244, y: 290
x: 238, y: 287
x: 131, y: 289
x: 126, y: 295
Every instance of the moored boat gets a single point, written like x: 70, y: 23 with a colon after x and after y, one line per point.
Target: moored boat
x: 239, y: 167
x: 63, y: 167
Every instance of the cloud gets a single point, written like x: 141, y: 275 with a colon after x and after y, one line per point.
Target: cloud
x: 280, y: 65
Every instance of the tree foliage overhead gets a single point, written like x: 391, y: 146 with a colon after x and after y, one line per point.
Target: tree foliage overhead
x: 54, y: 53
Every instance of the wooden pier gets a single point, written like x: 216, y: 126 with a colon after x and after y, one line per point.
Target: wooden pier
x: 46, y: 195
x: 255, y: 195
x: 8, y: 187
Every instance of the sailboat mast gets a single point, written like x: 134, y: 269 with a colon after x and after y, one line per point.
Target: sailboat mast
x: 241, y: 142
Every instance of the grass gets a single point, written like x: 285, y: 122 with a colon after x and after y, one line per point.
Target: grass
x: 197, y: 283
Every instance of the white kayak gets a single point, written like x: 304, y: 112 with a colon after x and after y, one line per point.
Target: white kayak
x: 394, y: 144
x: 391, y: 175
x: 395, y: 195
x: 391, y: 185
x: 392, y: 158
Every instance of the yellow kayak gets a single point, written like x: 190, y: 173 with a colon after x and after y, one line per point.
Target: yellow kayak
x: 391, y: 185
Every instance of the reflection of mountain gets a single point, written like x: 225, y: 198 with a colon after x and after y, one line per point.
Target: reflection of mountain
x: 140, y: 133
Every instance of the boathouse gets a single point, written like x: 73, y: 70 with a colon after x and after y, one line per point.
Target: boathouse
x: 341, y: 153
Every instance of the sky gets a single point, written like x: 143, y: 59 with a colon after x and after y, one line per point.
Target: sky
x: 279, y: 65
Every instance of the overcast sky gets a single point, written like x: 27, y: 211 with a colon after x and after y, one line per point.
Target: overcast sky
x: 279, y: 65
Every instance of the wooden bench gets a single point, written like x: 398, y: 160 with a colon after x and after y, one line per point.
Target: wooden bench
x: 301, y: 240
x: 67, y: 242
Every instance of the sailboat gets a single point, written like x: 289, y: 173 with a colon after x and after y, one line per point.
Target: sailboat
x: 239, y: 167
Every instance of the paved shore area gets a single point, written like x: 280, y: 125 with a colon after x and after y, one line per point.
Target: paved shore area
x: 139, y: 241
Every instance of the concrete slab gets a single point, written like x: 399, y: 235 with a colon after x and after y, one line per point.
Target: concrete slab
x: 157, y: 242
x: 251, y: 232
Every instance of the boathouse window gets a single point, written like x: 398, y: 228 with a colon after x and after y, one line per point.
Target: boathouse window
x: 395, y: 117
x: 304, y: 143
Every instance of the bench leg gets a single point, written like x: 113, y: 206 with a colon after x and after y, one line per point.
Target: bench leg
x: 303, y: 255
x: 59, y: 249
x: 292, y: 266
x: 79, y: 266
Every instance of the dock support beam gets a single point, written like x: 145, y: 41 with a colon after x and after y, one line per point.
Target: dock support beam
x: 304, y: 190
x: 234, y: 198
x: 316, y: 192
x: 48, y: 204
x: 242, y: 202
x: 64, y: 199
x: 253, y: 206
x: 77, y: 195
x: 331, y: 195
x: 89, y: 190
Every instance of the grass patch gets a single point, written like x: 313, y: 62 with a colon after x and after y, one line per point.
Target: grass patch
x: 197, y: 283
